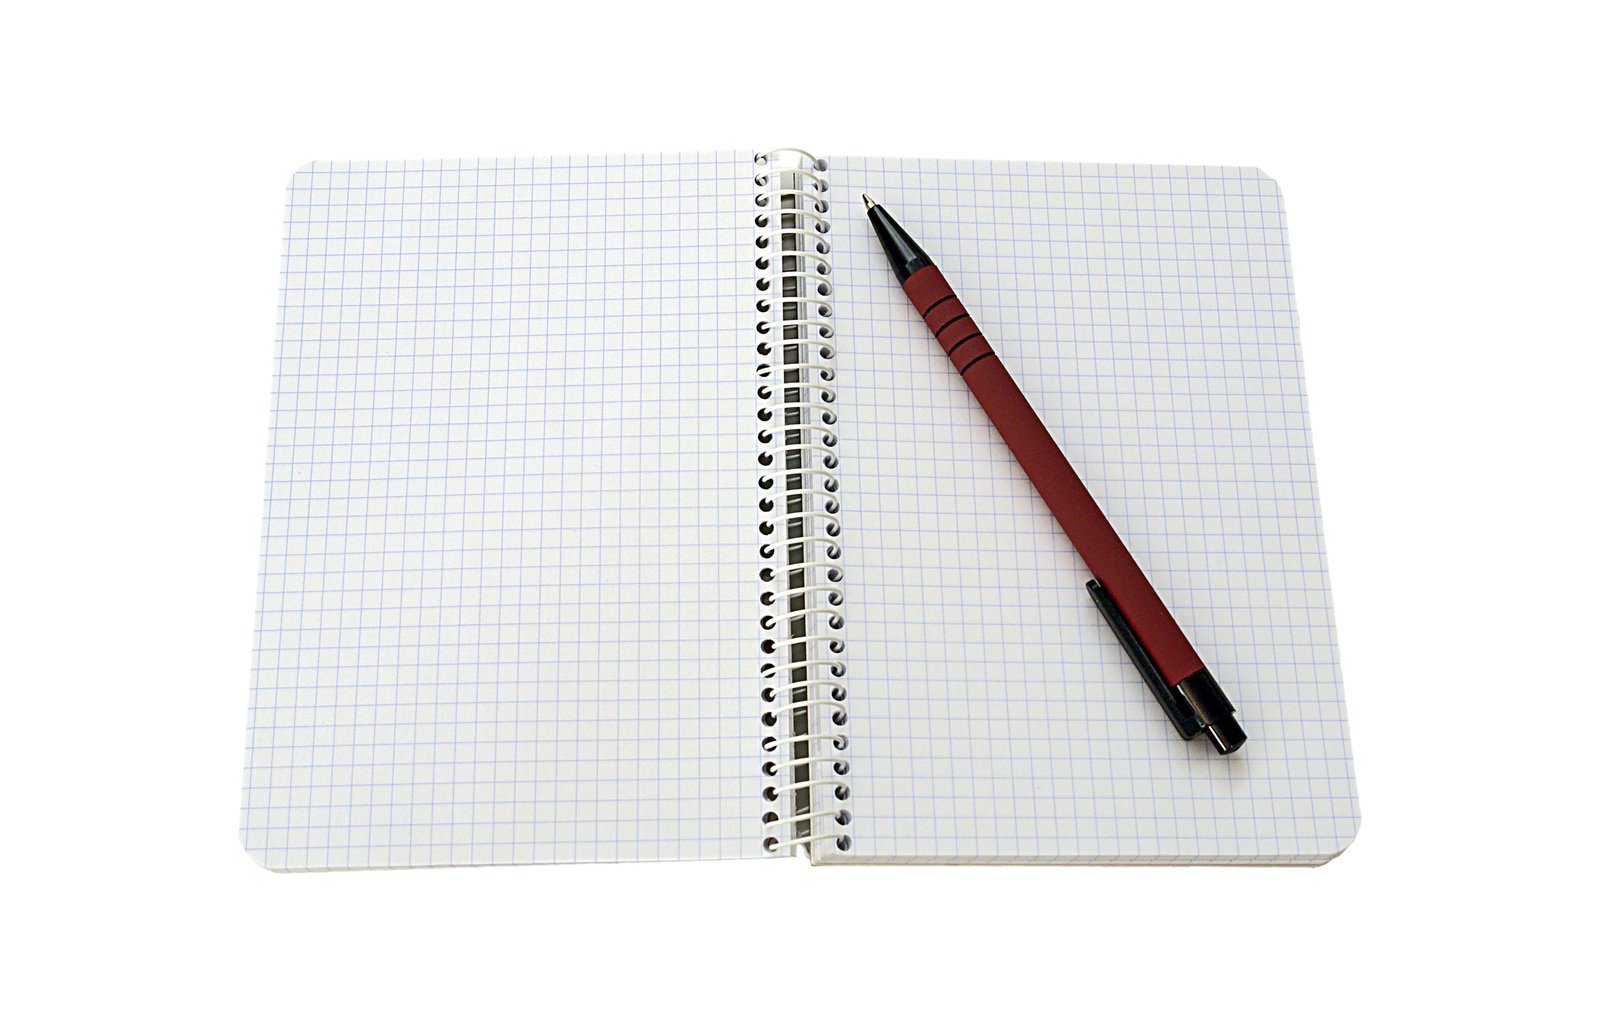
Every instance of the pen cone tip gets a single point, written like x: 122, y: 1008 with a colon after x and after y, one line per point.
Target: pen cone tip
x: 868, y: 200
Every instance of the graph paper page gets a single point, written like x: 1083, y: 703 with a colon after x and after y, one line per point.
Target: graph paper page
x: 508, y: 607
x: 1147, y: 312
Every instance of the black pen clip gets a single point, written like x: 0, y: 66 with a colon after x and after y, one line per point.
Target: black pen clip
x: 1178, y: 710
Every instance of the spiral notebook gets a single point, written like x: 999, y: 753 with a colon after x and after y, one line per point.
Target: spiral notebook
x: 621, y: 508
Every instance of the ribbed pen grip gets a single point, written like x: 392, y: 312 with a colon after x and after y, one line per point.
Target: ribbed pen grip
x: 944, y: 314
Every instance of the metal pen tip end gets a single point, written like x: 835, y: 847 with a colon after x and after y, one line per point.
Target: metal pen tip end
x: 1226, y: 736
x: 868, y: 200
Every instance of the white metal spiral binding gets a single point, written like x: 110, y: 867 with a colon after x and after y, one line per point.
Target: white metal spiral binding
x: 803, y: 692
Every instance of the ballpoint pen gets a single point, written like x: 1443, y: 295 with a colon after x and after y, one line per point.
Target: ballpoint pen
x: 1143, y: 625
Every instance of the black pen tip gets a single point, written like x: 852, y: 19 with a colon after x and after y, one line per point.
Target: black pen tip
x: 869, y: 203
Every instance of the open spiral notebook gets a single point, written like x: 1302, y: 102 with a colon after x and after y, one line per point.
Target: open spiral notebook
x: 622, y: 508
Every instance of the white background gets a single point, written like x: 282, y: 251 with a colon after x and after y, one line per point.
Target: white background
x: 1440, y: 196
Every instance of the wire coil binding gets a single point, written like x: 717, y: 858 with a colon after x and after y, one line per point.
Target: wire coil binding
x: 803, y: 690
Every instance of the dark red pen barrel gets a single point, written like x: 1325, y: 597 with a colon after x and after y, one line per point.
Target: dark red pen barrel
x: 1068, y: 499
